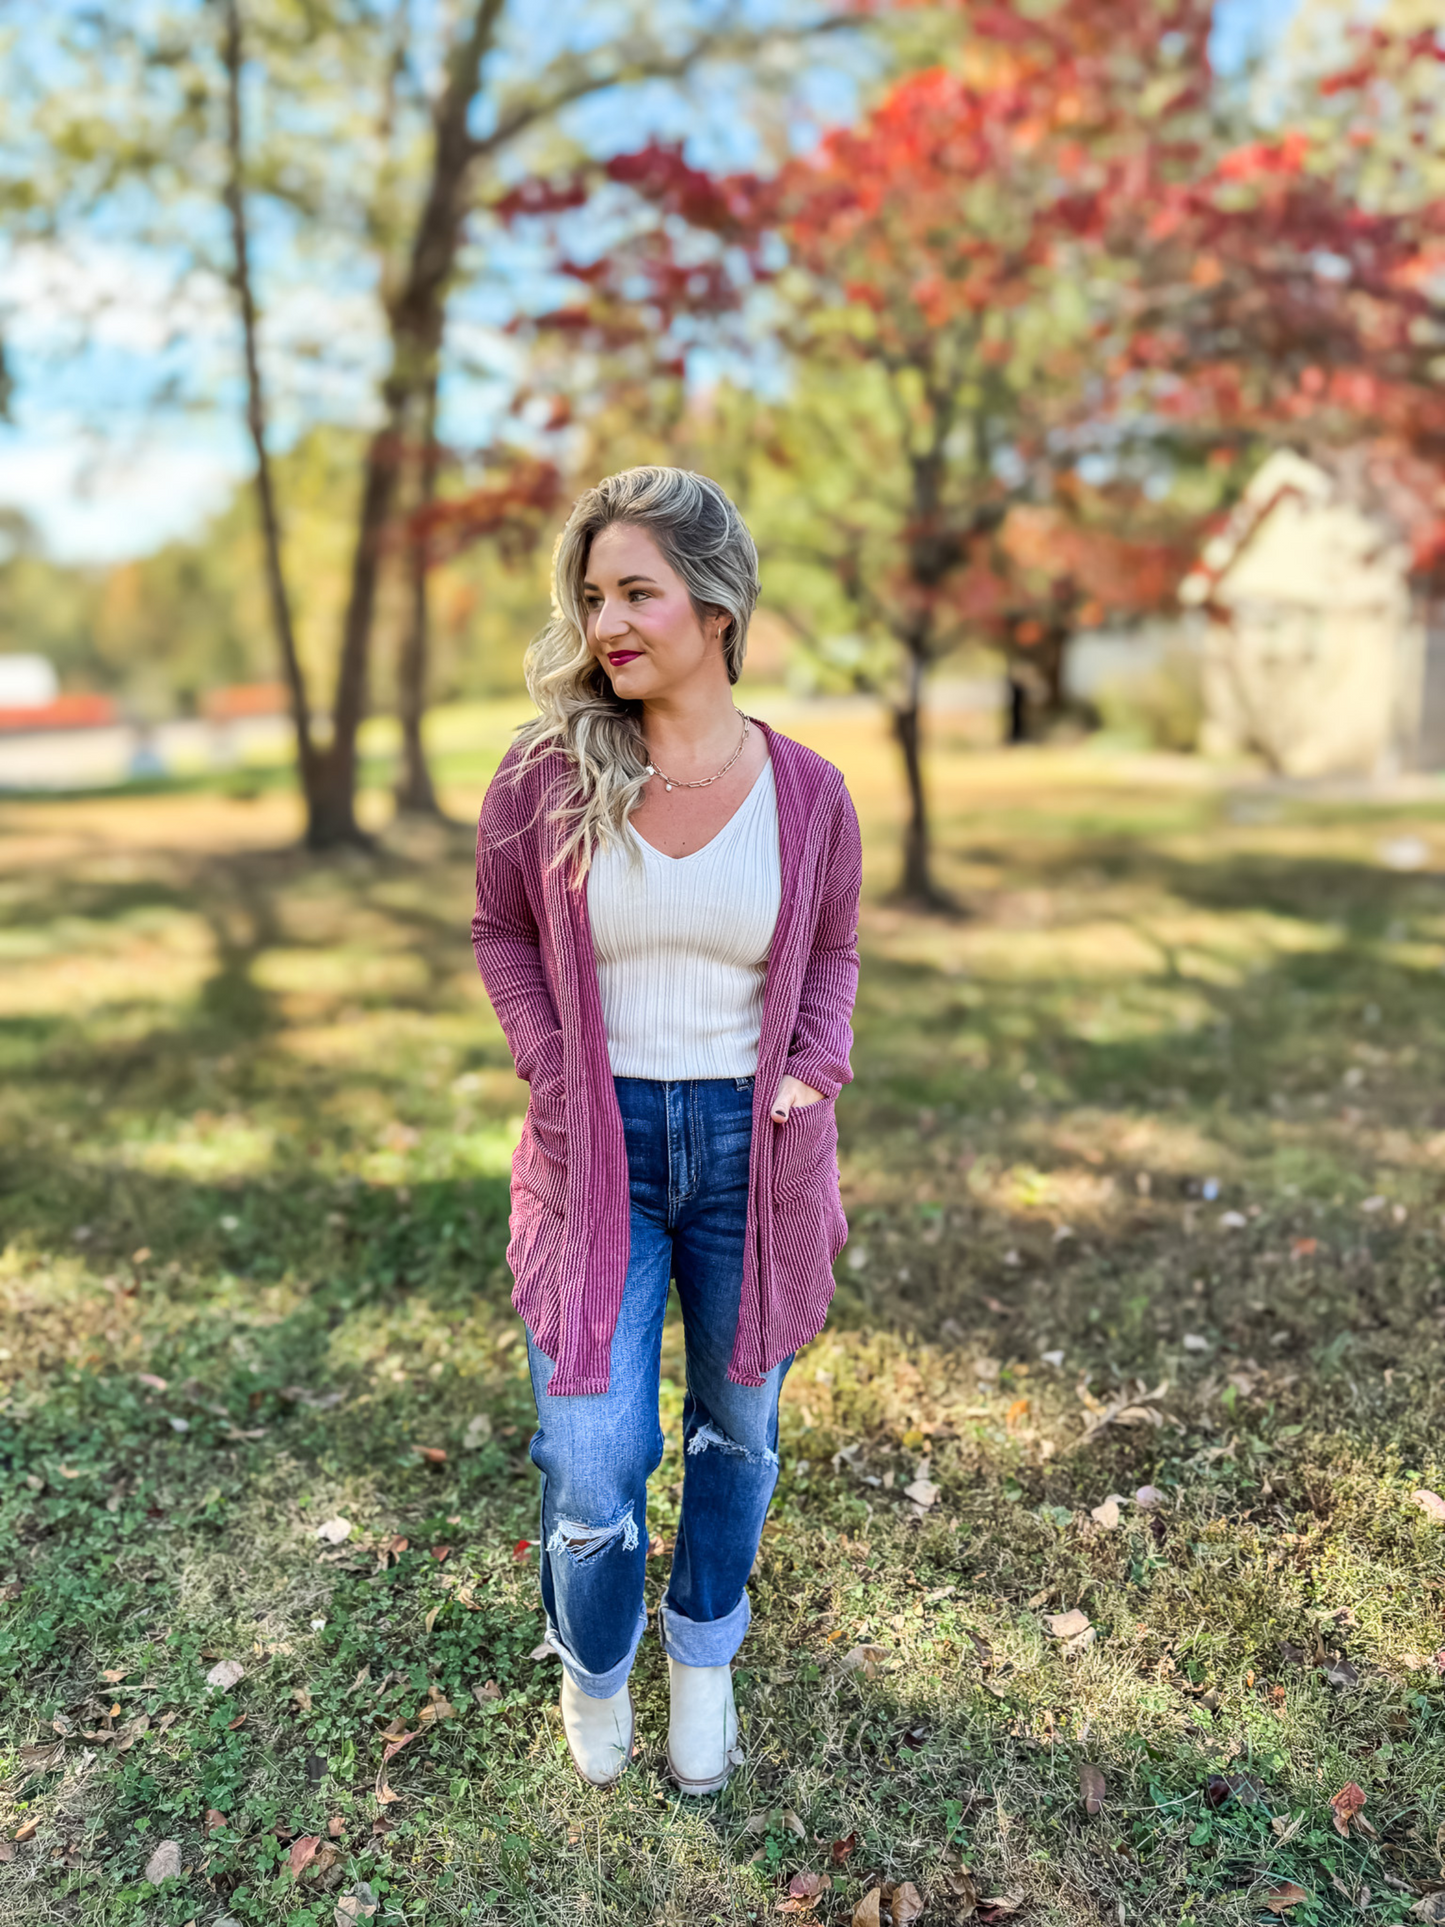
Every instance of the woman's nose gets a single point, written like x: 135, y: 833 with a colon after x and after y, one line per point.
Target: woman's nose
x: 611, y: 620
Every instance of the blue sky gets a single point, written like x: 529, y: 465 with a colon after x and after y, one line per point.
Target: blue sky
x: 105, y: 474
x: 1246, y: 27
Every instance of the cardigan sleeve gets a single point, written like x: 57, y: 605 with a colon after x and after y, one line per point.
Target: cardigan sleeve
x: 508, y: 945
x: 823, y: 1034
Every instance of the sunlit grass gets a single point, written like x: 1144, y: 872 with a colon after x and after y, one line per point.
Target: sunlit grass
x: 1157, y: 1119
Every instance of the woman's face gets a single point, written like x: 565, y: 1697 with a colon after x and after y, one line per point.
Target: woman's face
x: 641, y: 624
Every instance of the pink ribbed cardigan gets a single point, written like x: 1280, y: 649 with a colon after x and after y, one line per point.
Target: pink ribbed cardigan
x: 570, y: 1208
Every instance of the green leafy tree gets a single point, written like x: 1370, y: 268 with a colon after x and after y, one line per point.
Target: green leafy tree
x: 349, y: 148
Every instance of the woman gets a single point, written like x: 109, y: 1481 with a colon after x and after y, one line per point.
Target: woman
x: 666, y: 924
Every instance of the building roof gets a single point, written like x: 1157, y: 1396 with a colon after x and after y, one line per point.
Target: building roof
x: 1325, y: 531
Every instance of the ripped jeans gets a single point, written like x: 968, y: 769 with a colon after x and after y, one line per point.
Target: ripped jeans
x: 687, y: 1158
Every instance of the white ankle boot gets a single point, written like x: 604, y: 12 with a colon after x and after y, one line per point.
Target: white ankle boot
x: 599, y: 1732
x: 702, y: 1733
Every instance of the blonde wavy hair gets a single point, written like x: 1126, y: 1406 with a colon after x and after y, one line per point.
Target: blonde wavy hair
x: 701, y: 534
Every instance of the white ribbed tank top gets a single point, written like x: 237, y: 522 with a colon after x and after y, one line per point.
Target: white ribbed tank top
x: 682, y: 945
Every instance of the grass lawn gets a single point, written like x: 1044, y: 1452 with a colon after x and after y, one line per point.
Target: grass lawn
x: 1145, y: 1165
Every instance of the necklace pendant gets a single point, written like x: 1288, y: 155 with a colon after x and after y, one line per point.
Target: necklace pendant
x: 669, y: 789
x: 650, y: 770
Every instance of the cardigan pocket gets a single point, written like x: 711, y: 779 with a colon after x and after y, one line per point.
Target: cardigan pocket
x: 805, y: 1152
x: 539, y: 1163
x: 538, y: 1222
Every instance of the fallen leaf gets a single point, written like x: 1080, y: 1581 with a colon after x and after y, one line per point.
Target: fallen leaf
x: 302, y: 1853
x: 1017, y: 1412
x: 1345, y: 1804
x: 431, y: 1618
x: 336, y: 1826
x: 302, y: 1697
x: 1147, y: 1497
x: 433, y: 1454
x: 1286, y: 1895
x: 394, y: 1747
x: 906, y: 1905
x: 1092, y: 1789
x: 794, y: 1824
x: 866, y: 1913
x: 544, y: 1651
x: 1106, y: 1515
x: 868, y: 1659
x: 803, y: 1892
x: 840, y: 1849
x: 151, y: 1382
x: 225, y: 1674
x: 27, y: 1830
x: 7, y: 1851
x: 359, y: 1904
x: 523, y: 1549
x: 439, y: 1553
x: 334, y: 1531
x: 922, y: 1492
x: 240, y: 1720
x: 215, y: 1820
x: 1246, y: 1789
x: 1068, y: 1625
x: 164, y: 1863
x: 478, y: 1431
x: 488, y: 1692
x: 1304, y: 1247
x: 41, y: 1756
x: 1431, y: 1504
x: 1341, y: 1673
x: 1431, y: 1909
x: 962, y: 1894
x: 114, y: 1675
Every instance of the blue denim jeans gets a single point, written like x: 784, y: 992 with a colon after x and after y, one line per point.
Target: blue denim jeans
x: 687, y: 1160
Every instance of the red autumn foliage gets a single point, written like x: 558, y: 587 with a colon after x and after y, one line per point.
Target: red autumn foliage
x: 511, y: 511
x: 1045, y: 251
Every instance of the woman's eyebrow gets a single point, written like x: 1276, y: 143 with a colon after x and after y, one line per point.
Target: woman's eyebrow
x: 625, y: 581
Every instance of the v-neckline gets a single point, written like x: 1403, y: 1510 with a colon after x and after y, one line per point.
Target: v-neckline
x: 717, y: 834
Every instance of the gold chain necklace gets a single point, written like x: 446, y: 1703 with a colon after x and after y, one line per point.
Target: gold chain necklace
x: 676, y: 783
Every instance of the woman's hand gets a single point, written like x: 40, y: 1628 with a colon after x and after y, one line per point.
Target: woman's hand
x: 793, y: 1095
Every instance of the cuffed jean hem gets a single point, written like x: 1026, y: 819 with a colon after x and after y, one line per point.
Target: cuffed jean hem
x: 597, y: 1686
x: 702, y: 1642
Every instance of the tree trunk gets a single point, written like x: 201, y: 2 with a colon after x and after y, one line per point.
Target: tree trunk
x: 916, y: 885
x: 332, y: 795
x: 1051, y: 666
x: 416, y: 328
x: 277, y: 593
x: 415, y: 792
